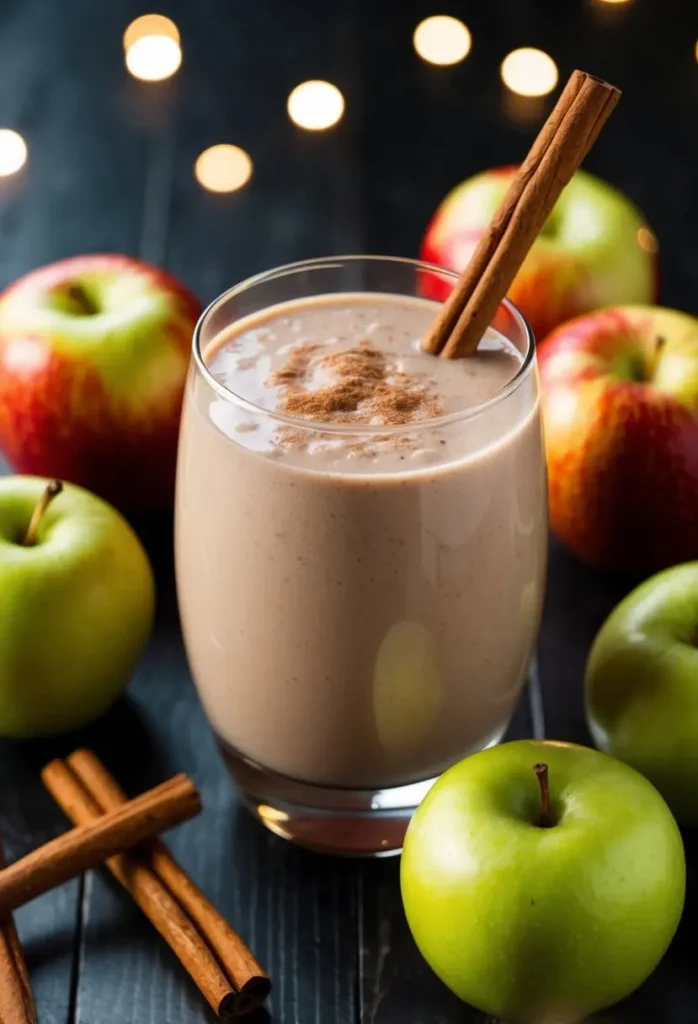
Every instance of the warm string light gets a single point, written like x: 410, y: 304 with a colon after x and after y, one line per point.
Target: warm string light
x: 153, y: 53
x: 223, y: 168
x: 150, y: 25
x: 152, y: 48
x: 13, y: 152
x: 315, y: 105
x: 153, y: 58
x: 529, y: 72
x: 442, y: 40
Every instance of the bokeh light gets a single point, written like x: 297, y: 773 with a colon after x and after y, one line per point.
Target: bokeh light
x: 13, y: 152
x: 223, y: 168
x: 442, y: 40
x: 150, y: 25
x: 152, y: 48
x: 529, y: 72
x: 614, y: 1
x: 315, y: 105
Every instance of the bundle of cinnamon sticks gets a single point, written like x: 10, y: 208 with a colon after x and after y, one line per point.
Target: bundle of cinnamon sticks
x: 122, y: 834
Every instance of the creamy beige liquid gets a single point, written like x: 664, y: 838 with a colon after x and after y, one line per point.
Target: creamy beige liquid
x: 359, y: 610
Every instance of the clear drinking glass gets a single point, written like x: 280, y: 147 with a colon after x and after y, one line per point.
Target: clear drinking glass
x: 352, y: 634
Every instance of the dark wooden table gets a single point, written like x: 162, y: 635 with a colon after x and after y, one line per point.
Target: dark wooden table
x: 111, y: 168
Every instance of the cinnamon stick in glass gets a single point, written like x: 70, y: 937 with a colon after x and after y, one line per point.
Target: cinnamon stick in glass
x: 16, y: 997
x: 91, y: 844
x: 563, y: 142
x: 217, y: 959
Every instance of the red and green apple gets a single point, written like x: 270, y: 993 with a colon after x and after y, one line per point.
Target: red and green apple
x: 620, y: 406
x: 595, y: 249
x: 93, y: 357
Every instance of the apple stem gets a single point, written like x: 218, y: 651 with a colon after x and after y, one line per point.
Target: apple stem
x: 83, y: 304
x: 659, y: 343
x: 52, y: 490
x: 545, y: 818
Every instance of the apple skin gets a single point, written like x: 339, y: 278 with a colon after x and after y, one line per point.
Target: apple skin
x: 640, y: 687
x: 590, y: 253
x: 76, y: 609
x: 533, y: 924
x: 622, y: 453
x: 95, y: 398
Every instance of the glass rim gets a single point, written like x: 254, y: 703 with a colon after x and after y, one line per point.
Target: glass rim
x: 355, y: 429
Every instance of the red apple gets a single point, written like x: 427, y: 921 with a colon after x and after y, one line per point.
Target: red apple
x: 93, y: 356
x: 595, y: 249
x: 620, y: 404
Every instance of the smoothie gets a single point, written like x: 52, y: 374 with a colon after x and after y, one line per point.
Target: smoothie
x: 361, y: 539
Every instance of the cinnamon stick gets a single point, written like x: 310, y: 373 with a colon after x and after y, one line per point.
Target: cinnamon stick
x: 16, y: 998
x: 563, y: 142
x: 217, y: 959
x: 240, y: 964
x: 90, y: 845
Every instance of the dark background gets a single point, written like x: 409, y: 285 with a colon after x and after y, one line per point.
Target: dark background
x: 110, y: 168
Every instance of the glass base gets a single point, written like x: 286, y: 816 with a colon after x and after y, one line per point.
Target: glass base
x: 344, y: 822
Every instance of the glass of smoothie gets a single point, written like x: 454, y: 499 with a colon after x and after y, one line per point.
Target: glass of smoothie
x: 361, y: 533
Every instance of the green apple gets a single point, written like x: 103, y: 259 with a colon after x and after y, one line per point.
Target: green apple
x: 543, y: 899
x: 76, y: 606
x: 642, y: 685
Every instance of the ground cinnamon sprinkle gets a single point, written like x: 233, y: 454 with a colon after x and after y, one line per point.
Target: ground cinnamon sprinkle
x: 363, y: 386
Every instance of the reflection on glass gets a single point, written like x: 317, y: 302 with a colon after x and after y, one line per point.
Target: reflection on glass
x: 315, y: 105
x: 442, y: 40
x: 529, y: 72
x: 223, y: 168
x: 13, y: 152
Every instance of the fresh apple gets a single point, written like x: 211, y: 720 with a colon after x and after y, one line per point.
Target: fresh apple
x: 76, y: 606
x: 543, y: 881
x: 595, y: 249
x: 93, y: 357
x: 641, y: 692
x: 620, y: 404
